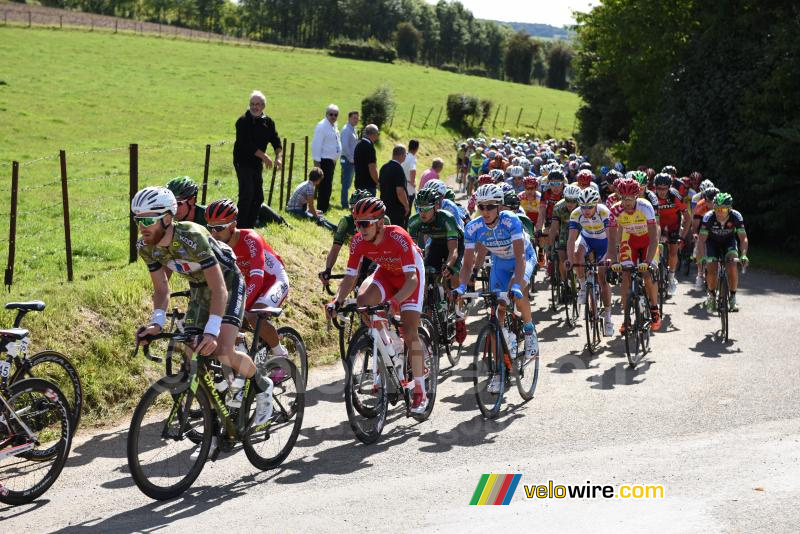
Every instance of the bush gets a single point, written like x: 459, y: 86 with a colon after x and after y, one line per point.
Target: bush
x: 378, y: 107
x: 371, y: 50
x: 477, y: 71
x: 463, y: 109
x: 449, y: 67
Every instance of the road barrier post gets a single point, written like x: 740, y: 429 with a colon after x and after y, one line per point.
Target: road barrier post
x: 12, y: 225
x: 205, y: 173
x: 133, y: 188
x: 62, y: 155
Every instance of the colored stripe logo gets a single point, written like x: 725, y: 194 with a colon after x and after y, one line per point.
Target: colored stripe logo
x: 495, y: 489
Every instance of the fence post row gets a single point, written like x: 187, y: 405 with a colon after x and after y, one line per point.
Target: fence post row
x: 305, y: 162
x: 413, y: 107
x: 134, y: 187
x: 519, y: 117
x: 283, y: 176
x: 438, y: 117
x: 205, y: 173
x: 291, y: 170
x: 62, y: 155
x: 12, y: 225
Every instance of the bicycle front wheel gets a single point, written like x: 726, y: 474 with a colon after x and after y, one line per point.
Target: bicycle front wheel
x: 571, y: 308
x: 27, y: 474
x: 723, y: 306
x: 490, y: 371
x: 57, y: 368
x: 365, y: 394
x: 590, y: 320
x: 431, y: 363
x: 633, y: 322
x: 163, y: 460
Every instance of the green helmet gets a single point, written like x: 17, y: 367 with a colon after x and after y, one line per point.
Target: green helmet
x: 640, y: 177
x: 358, y: 194
x: 511, y: 199
x: 723, y: 200
x: 449, y: 195
x: 427, y: 197
x: 182, y: 187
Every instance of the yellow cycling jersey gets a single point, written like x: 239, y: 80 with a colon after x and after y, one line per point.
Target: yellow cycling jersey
x: 633, y: 224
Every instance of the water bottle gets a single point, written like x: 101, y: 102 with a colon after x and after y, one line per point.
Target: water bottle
x: 511, y: 341
x: 642, y: 305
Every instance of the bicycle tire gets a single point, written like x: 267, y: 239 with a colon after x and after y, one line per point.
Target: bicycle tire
x: 555, y: 288
x: 293, y: 341
x: 75, y: 396
x: 288, y: 409
x: 431, y: 361
x: 722, y: 306
x: 355, y: 370
x: 662, y: 286
x: 62, y: 418
x: 572, y: 309
x: 453, y: 354
x: 429, y: 324
x: 177, y: 389
x: 632, y: 322
x: 527, y: 376
x: 590, y: 317
x: 486, y: 361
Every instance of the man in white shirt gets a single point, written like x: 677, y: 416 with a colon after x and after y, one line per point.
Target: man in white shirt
x: 410, y: 170
x: 349, y: 141
x: 326, y: 147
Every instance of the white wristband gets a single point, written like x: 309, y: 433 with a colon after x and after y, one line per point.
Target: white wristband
x: 159, y: 317
x: 212, y: 325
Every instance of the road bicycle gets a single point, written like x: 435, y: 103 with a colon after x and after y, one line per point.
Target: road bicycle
x: 662, y: 273
x: 440, y: 313
x: 563, y: 292
x: 723, y: 296
x: 637, y: 319
x: 378, y: 370
x: 345, y: 334
x: 496, y: 358
x: 593, y: 309
x: 47, y: 364
x: 171, y: 431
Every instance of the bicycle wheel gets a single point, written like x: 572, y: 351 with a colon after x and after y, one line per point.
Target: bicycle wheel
x: 555, y: 288
x: 45, y: 410
x: 722, y: 306
x: 571, y: 309
x: 268, y: 445
x: 489, y: 364
x: 365, y: 395
x: 57, y: 368
x: 662, y: 286
x: 633, y: 321
x: 431, y: 363
x: 453, y: 354
x: 527, y: 376
x: 293, y: 341
x: 162, y: 460
x: 431, y: 326
x: 590, y: 319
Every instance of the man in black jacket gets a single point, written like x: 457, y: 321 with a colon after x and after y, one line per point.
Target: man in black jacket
x: 254, y: 130
x: 393, y: 187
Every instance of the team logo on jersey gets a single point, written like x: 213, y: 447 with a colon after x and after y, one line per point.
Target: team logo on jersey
x: 183, y: 266
x: 400, y: 240
x: 191, y: 244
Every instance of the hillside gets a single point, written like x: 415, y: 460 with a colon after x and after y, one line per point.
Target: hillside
x: 93, y: 93
x: 541, y: 31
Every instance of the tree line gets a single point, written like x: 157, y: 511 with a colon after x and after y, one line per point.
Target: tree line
x: 442, y: 35
x: 708, y: 86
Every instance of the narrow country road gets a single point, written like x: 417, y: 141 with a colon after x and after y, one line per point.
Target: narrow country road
x: 715, y: 424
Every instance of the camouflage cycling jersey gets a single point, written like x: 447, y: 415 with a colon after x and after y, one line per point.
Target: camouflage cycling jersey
x: 442, y: 228
x: 347, y: 229
x: 561, y: 213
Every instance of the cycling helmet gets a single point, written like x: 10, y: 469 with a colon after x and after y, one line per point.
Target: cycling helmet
x: 489, y: 193
x: 619, y: 166
x: 671, y: 170
x: 630, y: 175
x: 537, y: 160
x: 530, y: 181
x: 182, y: 187
x: 603, y: 170
x: 695, y: 175
x: 650, y: 173
x: 491, y: 154
x: 511, y: 199
x: 369, y: 208
x: 662, y: 179
x: 497, y: 174
x: 484, y: 179
x: 723, y: 200
x: 706, y: 184
x: 154, y: 200
x: 585, y: 166
x: 686, y: 182
x: 222, y: 211
x: 426, y: 198
x: 526, y: 164
x: 358, y: 194
x: 572, y: 192
x: 589, y: 196
x: 572, y: 166
x: 628, y: 187
x: 555, y: 175
x: 585, y: 177
x: 437, y: 185
x: 516, y: 171
x: 613, y: 175
x: 710, y: 193
x: 471, y: 141
x: 450, y: 195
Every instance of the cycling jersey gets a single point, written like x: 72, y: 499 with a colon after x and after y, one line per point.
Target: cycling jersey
x: 347, y: 229
x: 635, y: 238
x: 701, y: 208
x: 669, y: 210
x: 530, y: 202
x: 263, y: 270
x: 593, y: 234
x: 561, y: 213
x: 199, y: 215
x: 441, y: 229
x: 549, y: 200
x: 457, y: 211
x: 475, y: 162
x: 498, y: 240
x: 722, y: 232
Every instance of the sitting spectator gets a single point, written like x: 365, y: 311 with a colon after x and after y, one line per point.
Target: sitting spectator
x: 301, y: 203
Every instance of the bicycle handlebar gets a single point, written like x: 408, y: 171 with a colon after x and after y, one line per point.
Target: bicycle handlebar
x: 190, y: 338
x: 186, y: 293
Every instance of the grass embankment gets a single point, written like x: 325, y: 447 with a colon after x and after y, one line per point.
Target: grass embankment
x: 92, y: 94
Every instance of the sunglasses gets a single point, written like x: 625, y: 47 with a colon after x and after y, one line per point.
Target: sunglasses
x: 148, y: 221
x: 333, y: 114
x: 218, y: 227
x: 366, y: 223
x: 424, y: 209
x: 555, y: 184
x: 587, y: 206
x: 487, y: 207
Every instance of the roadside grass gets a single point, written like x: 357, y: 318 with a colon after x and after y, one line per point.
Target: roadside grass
x: 774, y: 260
x: 94, y: 93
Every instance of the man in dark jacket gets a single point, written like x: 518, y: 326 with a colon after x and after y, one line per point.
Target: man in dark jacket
x: 254, y: 130
x: 393, y: 187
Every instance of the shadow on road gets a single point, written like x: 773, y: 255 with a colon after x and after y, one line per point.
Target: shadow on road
x: 575, y: 360
x: 475, y: 432
x: 22, y: 509
x: 620, y: 374
x: 713, y: 347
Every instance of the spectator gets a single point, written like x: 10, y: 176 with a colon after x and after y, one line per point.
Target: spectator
x: 366, y: 161
x: 393, y: 187
x: 254, y: 130
x: 349, y: 141
x: 301, y: 203
x: 326, y: 147
x: 432, y: 173
x: 410, y: 170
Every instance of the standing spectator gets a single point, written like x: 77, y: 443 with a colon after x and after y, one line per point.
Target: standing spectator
x: 410, y: 170
x: 432, y: 173
x: 326, y: 147
x: 349, y: 142
x: 254, y: 130
x: 366, y: 161
x: 301, y: 203
x: 393, y: 187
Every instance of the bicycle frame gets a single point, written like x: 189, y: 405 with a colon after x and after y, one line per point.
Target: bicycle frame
x: 11, y: 451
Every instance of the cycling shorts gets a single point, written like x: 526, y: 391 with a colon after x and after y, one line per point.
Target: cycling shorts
x: 389, y: 284
x: 673, y: 233
x: 716, y: 250
x: 274, y: 297
x: 598, y: 246
x: 200, y: 302
x: 503, y: 270
x: 633, y: 251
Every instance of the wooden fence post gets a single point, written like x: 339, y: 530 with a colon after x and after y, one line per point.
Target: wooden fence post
x: 305, y: 164
x: 574, y: 122
x: 505, y: 116
x: 518, y: 117
x: 428, y: 116
x: 496, y: 113
x: 555, y: 126
x: 272, y: 185
x: 12, y: 225
x: 283, y: 177
x: 61, y: 22
x: 205, y: 173
x: 65, y: 200
x: 413, y: 106
x: 438, y: 118
x: 291, y: 169
x: 538, y: 119
x: 133, y: 188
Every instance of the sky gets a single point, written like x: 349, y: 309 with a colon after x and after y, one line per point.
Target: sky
x: 553, y: 12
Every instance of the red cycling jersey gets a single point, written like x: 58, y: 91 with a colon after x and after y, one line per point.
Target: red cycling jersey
x: 669, y: 209
x: 259, y: 264
x: 550, y: 199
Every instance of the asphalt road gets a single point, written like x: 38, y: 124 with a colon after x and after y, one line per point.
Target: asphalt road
x: 715, y: 424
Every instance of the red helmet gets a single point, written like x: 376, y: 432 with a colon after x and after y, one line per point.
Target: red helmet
x: 485, y: 179
x: 616, y: 182
x: 585, y: 177
x: 628, y: 187
x: 530, y: 181
x: 222, y: 211
x: 650, y: 172
x: 369, y: 208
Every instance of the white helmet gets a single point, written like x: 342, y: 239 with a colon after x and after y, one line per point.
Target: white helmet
x: 572, y: 192
x: 526, y: 165
x: 497, y: 174
x: 154, y: 200
x: 588, y: 196
x: 489, y: 193
x: 516, y: 171
x: 706, y: 184
x: 437, y: 185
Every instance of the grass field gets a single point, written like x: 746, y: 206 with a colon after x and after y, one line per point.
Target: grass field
x: 94, y: 93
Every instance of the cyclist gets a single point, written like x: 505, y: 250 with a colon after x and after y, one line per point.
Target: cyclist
x: 511, y: 203
x: 588, y: 232
x: 400, y: 276
x: 475, y: 164
x: 217, y: 287
x: 634, y: 242
x: 500, y: 234
x: 673, y: 221
x: 530, y: 199
x: 483, y: 179
x: 448, y: 203
x: 516, y: 180
x: 559, y: 225
x: 719, y: 232
x: 185, y: 191
x: 585, y: 179
x: 554, y: 193
x: 702, y: 205
x: 265, y: 278
x: 436, y: 231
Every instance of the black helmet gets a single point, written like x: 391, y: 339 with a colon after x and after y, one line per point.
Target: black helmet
x: 510, y: 199
x: 427, y: 197
x: 358, y: 194
x: 662, y: 179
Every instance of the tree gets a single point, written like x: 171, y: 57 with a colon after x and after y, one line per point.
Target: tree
x: 408, y: 41
x: 519, y: 57
x: 559, y: 58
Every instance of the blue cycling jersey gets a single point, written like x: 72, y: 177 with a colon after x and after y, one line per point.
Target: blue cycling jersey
x: 458, y: 212
x: 497, y: 240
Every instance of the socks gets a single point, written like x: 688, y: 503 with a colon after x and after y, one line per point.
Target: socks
x: 527, y: 328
